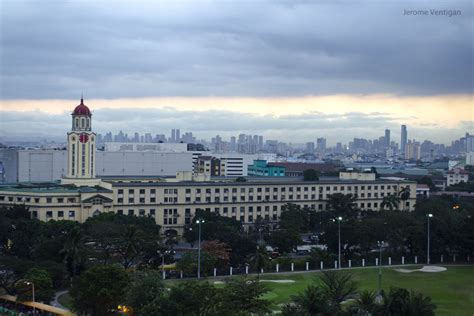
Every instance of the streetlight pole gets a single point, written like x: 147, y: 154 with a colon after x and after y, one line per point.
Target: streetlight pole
x: 428, y: 240
x: 33, y: 294
x: 339, y: 219
x: 381, y: 243
x: 199, y: 222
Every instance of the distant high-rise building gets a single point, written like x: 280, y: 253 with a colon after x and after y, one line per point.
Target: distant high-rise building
x: 321, y: 144
x: 413, y: 150
x: 178, y: 136
x: 310, y: 147
x: 387, y: 138
x: 469, y: 142
x: 404, y: 138
x: 173, y: 136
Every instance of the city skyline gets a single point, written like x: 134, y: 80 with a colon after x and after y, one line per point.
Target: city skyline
x: 284, y: 70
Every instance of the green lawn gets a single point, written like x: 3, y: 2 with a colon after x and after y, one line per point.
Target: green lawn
x: 452, y: 290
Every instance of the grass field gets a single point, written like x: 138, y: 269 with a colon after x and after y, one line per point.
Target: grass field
x: 452, y: 290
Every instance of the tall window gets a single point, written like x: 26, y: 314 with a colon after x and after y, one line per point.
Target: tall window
x: 83, y: 159
x: 73, y: 157
x: 92, y: 159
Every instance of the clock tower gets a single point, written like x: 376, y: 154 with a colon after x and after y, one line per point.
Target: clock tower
x: 81, y: 144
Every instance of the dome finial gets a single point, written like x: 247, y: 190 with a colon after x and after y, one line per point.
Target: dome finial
x: 82, y: 97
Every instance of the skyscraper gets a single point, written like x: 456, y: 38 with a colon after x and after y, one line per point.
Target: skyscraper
x: 173, y: 135
x: 387, y: 138
x: 321, y: 144
x: 178, y: 136
x: 403, y: 140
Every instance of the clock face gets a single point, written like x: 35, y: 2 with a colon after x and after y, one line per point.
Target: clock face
x: 83, y: 138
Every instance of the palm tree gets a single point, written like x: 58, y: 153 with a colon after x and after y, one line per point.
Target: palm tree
x: 337, y: 287
x: 366, y: 305
x: 259, y: 259
x: 311, y: 302
x: 404, y: 195
x: 74, y: 249
x: 342, y: 204
x: 391, y: 201
x: 401, y: 302
x: 419, y: 305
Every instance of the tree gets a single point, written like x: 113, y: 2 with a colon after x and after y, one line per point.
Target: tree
x: 189, y: 263
x: 404, y: 195
x: 42, y: 282
x: 390, y: 201
x: 74, y: 250
x: 218, y: 251
x: 128, y: 240
x: 310, y: 175
x: 294, y: 218
x: 240, y: 179
x: 337, y: 287
x: 146, y: 294
x: 259, y: 259
x: 342, y: 204
x: 311, y: 302
x: 193, y: 298
x: 243, y: 295
x: 99, y: 290
x: 401, y: 302
x: 286, y: 240
x: 366, y: 305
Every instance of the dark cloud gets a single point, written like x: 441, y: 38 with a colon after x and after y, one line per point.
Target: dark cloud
x: 207, y: 124
x: 112, y: 49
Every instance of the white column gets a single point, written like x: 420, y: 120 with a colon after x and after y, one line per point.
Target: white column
x: 261, y: 270
x: 350, y: 263
x: 416, y: 259
x: 307, y: 266
x: 442, y: 258
x: 376, y: 261
x: 230, y: 270
x: 389, y: 261
x: 215, y: 272
x: 277, y: 268
x: 363, y: 262
x: 164, y: 274
x: 246, y: 269
x: 321, y: 265
x: 292, y: 267
x: 335, y: 264
x: 403, y: 260
x: 181, y: 274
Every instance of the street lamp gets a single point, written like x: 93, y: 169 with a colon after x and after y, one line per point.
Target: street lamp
x: 429, y: 216
x: 380, y: 244
x: 33, y: 293
x: 163, y: 254
x: 339, y: 219
x: 199, y: 222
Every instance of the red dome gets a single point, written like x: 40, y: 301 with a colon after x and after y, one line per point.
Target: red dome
x: 81, y: 109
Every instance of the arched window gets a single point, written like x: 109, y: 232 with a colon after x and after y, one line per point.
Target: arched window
x: 97, y: 212
x: 77, y: 123
x: 87, y: 123
x: 82, y: 122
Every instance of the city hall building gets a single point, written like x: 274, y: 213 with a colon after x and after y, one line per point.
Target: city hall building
x: 172, y: 202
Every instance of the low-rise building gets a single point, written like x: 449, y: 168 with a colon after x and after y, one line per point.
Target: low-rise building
x: 456, y: 176
x: 260, y: 168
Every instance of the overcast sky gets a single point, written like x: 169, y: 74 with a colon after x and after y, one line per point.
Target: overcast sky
x: 216, y: 67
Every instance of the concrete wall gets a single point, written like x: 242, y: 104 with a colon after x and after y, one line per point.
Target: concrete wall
x: 50, y: 165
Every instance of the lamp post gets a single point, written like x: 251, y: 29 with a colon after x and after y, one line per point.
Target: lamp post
x: 33, y: 293
x: 163, y: 254
x: 339, y: 219
x: 380, y: 244
x: 199, y: 222
x: 429, y: 216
